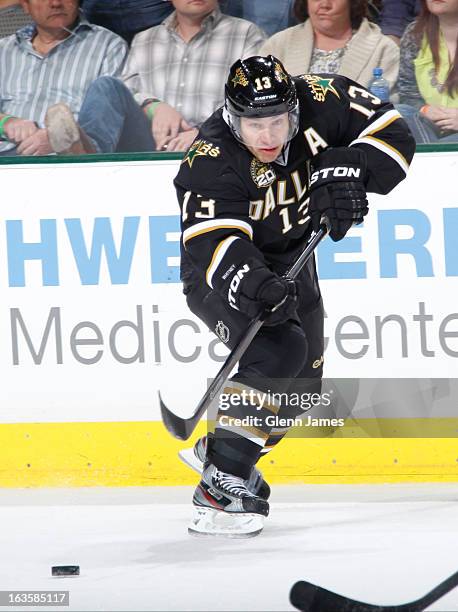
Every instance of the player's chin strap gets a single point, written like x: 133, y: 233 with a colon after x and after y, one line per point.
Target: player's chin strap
x: 226, y: 117
x: 282, y: 159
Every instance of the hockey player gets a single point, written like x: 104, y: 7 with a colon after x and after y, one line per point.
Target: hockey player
x: 263, y: 170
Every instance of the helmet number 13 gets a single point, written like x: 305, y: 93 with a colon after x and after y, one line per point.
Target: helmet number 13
x: 263, y: 83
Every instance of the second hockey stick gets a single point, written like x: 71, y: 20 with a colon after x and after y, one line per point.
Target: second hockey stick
x: 181, y: 427
x: 309, y: 597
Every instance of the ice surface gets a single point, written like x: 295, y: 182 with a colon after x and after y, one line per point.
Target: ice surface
x: 384, y: 544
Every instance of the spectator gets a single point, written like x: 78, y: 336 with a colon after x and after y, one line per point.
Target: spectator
x: 177, y: 70
x: 126, y: 17
x: 6, y: 3
x: 396, y: 15
x: 62, y: 69
x: 428, y: 74
x: 270, y: 15
x: 335, y: 37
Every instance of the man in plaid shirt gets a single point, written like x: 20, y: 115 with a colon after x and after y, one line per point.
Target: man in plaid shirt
x: 59, y: 87
x: 177, y: 69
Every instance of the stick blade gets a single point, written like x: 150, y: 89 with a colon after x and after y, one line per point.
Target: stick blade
x: 309, y: 597
x: 177, y: 426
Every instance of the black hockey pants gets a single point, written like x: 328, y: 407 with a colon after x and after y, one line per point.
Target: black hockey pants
x: 283, y: 358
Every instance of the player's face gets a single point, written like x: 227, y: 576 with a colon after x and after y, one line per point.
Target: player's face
x: 443, y: 7
x: 265, y: 136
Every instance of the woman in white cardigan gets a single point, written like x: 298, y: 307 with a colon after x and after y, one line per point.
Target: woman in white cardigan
x: 335, y: 37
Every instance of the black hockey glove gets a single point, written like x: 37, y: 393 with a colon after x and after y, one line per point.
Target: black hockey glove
x: 337, y: 189
x: 254, y: 287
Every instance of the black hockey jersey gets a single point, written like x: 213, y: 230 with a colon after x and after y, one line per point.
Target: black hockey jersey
x: 235, y: 207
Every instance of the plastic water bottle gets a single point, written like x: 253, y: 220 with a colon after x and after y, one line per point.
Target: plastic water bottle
x: 380, y: 86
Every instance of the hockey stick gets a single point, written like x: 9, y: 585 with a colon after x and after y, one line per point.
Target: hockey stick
x: 309, y: 597
x: 181, y: 427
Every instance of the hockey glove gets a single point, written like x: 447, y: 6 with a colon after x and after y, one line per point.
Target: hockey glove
x: 254, y: 287
x: 337, y: 189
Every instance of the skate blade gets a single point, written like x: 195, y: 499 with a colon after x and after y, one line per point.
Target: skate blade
x: 208, y: 522
x: 188, y: 456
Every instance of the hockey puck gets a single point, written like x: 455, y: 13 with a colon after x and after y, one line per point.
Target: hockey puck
x: 65, y: 570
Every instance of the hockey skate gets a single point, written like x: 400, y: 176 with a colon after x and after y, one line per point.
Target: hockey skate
x: 195, y: 458
x: 223, y: 506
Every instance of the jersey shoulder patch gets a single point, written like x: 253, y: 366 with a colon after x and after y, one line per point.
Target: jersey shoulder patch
x: 320, y: 86
x: 201, y: 148
x: 209, y: 167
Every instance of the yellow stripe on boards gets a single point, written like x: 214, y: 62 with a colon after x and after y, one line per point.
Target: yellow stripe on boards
x: 143, y: 453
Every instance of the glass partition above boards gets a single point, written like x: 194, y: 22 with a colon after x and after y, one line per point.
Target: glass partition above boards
x: 156, y: 156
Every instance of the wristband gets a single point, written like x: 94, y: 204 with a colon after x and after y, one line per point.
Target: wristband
x: 148, y: 101
x: 151, y: 108
x: 2, y: 123
x: 424, y: 109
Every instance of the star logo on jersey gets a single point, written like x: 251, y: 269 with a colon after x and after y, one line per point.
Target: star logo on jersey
x: 240, y: 78
x: 280, y: 74
x: 192, y: 154
x: 320, y: 86
x: 200, y: 148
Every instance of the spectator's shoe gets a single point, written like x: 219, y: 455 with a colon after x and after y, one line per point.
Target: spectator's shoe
x: 64, y: 134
